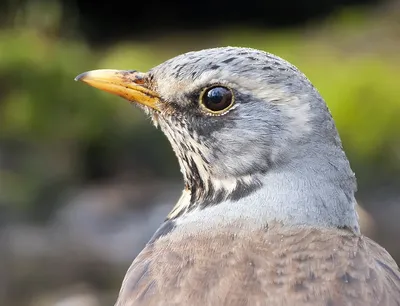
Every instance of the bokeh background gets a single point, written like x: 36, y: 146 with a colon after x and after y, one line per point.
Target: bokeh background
x: 85, y: 179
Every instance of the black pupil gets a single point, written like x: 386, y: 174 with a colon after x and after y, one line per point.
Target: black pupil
x: 217, y: 98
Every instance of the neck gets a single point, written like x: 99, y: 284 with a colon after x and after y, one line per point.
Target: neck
x: 313, y: 191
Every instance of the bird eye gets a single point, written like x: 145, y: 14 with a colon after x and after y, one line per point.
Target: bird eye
x: 217, y: 99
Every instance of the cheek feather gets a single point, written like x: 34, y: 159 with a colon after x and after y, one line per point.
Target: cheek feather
x: 299, y: 116
x: 155, y: 119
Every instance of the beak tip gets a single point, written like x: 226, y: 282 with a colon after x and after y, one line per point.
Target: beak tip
x: 80, y: 77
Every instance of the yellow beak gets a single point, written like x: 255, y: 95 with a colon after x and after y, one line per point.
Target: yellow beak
x: 124, y: 83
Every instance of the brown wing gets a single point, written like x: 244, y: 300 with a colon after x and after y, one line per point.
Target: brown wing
x: 274, y: 267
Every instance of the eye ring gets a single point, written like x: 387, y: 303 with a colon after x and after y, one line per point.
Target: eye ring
x: 216, y: 99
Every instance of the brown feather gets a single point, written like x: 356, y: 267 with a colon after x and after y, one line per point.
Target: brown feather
x: 279, y: 266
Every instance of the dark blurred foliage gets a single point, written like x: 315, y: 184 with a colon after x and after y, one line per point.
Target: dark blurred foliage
x: 84, y: 177
x: 105, y: 21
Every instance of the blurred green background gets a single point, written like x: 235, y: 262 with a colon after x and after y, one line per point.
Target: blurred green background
x: 85, y: 179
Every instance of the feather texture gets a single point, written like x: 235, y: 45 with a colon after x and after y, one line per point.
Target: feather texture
x: 277, y: 266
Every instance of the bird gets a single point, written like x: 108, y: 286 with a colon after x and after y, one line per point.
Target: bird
x: 267, y: 215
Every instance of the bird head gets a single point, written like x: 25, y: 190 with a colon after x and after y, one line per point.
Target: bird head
x: 232, y: 115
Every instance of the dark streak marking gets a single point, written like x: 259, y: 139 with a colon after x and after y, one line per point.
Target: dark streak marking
x: 178, y: 72
x: 346, y: 278
x: 247, y: 70
x: 267, y: 68
x: 389, y: 269
x: 149, y: 288
x: 198, y: 60
x: 243, y: 190
x: 141, y: 272
x: 167, y: 227
x: 227, y: 61
x: 197, y: 184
